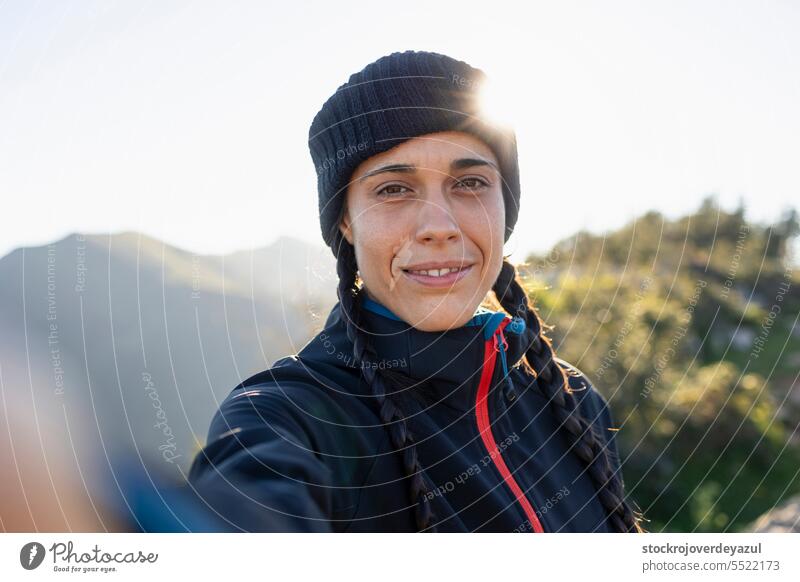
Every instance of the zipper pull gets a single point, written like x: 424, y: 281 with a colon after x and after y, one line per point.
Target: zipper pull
x: 508, y: 389
x: 502, y: 337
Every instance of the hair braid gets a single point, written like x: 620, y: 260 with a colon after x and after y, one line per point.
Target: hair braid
x: 390, y: 413
x: 552, y: 380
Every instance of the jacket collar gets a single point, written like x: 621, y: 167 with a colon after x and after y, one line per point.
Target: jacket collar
x: 445, y: 366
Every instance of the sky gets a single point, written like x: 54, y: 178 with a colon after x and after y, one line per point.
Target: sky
x: 188, y: 121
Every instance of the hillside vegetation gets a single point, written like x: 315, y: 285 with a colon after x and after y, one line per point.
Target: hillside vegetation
x: 689, y: 327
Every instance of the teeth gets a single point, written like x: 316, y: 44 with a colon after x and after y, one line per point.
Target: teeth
x: 436, y: 272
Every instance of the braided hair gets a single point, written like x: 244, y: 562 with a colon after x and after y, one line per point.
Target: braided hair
x: 391, y: 414
x: 551, y: 380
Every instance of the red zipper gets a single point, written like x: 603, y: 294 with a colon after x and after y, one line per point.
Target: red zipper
x: 485, y: 427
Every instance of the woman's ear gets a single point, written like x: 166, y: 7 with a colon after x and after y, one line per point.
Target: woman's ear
x: 344, y: 226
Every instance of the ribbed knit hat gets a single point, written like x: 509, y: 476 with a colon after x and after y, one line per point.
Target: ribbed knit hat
x: 398, y: 97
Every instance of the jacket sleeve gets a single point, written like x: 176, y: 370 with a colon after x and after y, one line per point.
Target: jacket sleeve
x: 259, y: 470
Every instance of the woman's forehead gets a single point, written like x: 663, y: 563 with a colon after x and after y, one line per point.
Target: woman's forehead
x: 431, y: 151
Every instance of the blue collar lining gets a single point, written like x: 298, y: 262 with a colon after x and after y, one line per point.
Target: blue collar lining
x: 483, y: 317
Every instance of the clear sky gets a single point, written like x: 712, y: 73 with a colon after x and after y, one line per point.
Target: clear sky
x: 189, y: 120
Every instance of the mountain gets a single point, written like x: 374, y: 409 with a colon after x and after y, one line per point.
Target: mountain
x: 124, y: 343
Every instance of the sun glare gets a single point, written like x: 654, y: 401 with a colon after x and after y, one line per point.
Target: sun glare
x: 499, y: 101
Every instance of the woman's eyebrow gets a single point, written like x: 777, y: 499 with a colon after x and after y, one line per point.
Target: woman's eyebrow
x: 459, y: 164
x: 462, y: 163
x: 407, y: 168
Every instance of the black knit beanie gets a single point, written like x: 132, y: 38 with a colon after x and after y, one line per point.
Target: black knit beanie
x: 396, y: 98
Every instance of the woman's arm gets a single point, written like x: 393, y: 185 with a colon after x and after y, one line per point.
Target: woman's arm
x: 259, y: 470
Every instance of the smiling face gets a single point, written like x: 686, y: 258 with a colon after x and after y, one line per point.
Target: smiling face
x: 433, y: 202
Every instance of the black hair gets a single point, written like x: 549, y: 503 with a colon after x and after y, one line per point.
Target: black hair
x: 552, y: 381
x: 539, y: 360
x: 390, y: 412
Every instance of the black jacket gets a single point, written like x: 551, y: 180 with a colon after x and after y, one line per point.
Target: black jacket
x: 301, y: 447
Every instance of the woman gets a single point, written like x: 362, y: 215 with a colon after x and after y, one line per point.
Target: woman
x: 417, y: 408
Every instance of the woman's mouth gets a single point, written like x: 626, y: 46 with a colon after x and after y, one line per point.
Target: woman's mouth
x: 446, y: 277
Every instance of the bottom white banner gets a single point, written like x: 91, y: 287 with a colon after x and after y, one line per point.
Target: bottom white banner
x: 354, y: 557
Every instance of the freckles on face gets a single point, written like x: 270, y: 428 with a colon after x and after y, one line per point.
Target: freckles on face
x: 380, y: 250
x: 442, y: 206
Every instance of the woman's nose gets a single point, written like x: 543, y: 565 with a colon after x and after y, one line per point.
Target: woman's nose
x: 435, y: 222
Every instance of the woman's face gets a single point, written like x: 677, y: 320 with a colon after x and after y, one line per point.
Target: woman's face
x: 430, y: 203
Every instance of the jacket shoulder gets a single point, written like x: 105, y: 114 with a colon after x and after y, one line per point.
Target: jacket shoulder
x: 594, y: 408
x: 307, y: 396
x: 591, y: 402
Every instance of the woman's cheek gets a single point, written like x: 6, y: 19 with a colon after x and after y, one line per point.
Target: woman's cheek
x: 496, y: 234
x: 401, y: 255
x: 374, y: 257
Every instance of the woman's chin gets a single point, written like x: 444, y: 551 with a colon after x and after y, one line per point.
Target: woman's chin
x: 440, y: 314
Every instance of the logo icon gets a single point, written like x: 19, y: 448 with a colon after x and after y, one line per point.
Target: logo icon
x: 31, y: 555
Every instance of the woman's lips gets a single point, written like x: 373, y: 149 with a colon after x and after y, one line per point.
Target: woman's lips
x: 447, y: 280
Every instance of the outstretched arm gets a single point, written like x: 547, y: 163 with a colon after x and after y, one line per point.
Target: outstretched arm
x: 259, y: 471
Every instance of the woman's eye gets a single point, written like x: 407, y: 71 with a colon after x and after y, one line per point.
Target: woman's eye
x: 392, y: 190
x: 471, y: 183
